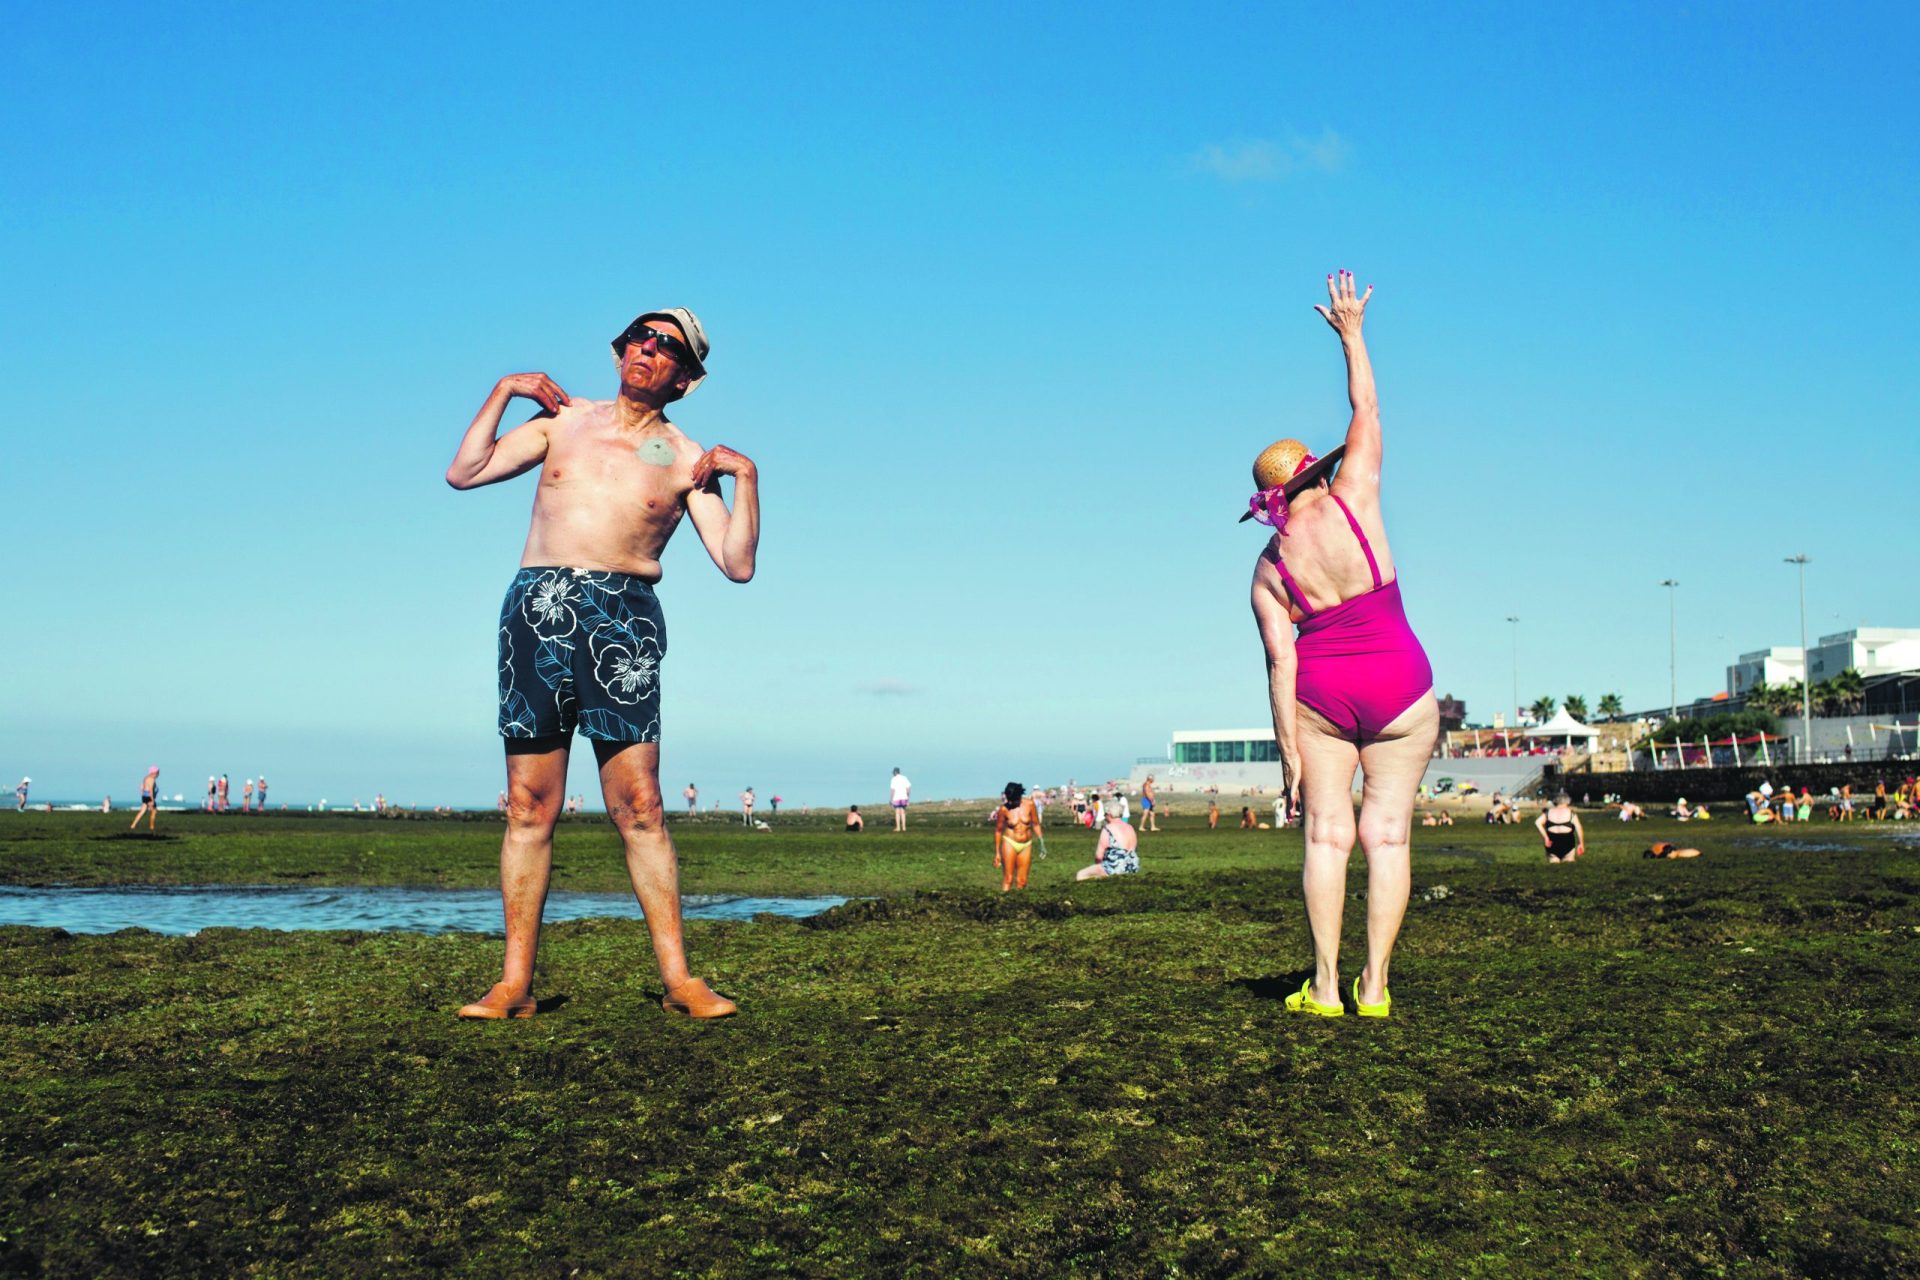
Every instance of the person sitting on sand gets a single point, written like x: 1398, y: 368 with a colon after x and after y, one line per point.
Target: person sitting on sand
x: 1115, y: 853
x: 1630, y: 812
x: 855, y: 823
x: 1016, y: 825
x: 1559, y: 827
x: 1247, y: 820
x: 1681, y: 811
x: 1662, y: 849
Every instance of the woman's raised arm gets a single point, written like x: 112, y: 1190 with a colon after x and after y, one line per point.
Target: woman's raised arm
x: 1346, y: 311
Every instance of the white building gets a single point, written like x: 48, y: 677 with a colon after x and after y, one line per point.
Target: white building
x: 1776, y: 665
x: 1872, y: 651
x: 1230, y: 760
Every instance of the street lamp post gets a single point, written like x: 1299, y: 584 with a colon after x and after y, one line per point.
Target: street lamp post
x: 1516, y: 668
x: 1673, y: 652
x: 1806, y: 661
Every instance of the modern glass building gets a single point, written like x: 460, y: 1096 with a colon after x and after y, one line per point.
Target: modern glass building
x: 1225, y: 746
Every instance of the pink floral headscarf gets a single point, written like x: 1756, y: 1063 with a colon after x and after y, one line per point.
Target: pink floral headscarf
x: 1269, y: 506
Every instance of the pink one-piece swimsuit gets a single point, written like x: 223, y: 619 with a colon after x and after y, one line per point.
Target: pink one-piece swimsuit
x: 1361, y: 666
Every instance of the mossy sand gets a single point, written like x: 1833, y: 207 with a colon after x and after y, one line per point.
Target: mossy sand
x: 1619, y: 1067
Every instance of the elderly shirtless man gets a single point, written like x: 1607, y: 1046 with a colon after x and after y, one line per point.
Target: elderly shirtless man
x: 581, y: 633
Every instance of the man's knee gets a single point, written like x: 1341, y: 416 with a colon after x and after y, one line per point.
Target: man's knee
x: 531, y: 809
x: 637, y: 812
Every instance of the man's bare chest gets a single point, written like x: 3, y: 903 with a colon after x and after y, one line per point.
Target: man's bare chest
x: 648, y: 476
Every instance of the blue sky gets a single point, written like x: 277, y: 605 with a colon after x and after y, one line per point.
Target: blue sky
x: 1004, y: 300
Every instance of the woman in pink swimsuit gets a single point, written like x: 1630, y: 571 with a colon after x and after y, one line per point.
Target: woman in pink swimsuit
x: 1353, y: 688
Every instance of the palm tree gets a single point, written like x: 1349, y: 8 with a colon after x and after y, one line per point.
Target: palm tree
x: 1542, y: 709
x: 1786, y: 697
x: 1849, y: 690
x: 1611, y: 706
x: 1577, y: 707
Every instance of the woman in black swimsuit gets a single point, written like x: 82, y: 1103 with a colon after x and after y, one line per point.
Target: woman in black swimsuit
x: 1559, y: 826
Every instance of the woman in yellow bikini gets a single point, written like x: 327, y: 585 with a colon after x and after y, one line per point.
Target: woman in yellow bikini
x: 1016, y: 824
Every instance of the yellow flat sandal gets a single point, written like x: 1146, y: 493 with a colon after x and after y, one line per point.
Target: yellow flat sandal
x: 1381, y: 1010
x: 1302, y: 1001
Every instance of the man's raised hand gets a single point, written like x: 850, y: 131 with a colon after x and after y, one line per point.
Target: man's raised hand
x: 722, y: 461
x: 537, y: 387
x: 1347, y: 310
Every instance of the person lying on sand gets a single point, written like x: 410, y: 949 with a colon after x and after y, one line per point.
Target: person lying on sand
x: 1662, y: 849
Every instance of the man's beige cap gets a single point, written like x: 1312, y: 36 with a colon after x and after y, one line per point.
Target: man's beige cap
x: 689, y: 324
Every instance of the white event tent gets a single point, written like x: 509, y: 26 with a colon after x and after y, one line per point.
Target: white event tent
x: 1562, y: 726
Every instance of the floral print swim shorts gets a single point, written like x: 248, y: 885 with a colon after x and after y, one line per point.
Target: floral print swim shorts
x: 581, y: 649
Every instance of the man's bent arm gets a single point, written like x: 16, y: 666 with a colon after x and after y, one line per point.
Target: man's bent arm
x: 481, y: 459
x: 732, y: 538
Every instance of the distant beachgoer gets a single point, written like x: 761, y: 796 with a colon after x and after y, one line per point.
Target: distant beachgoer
x: 1805, y: 813
x: 692, y: 794
x: 1148, y: 820
x: 260, y: 794
x: 379, y: 802
x: 1213, y: 814
x: 1247, y: 820
x: 899, y: 793
x: 213, y: 789
x: 1123, y: 804
x: 225, y: 791
x: 1560, y: 830
x: 1115, y: 853
x: 1016, y: 824
x: 855, y: 823
x: 775, y: 805
x: 1663, y: 849
x: 149, y: 799
x: 746, y: 805
x: 246, y: 796
x: 1681, y: 811
x: 20, y: 795
x: 1354, y: 689
x: 106, y: 805
x: 581, y: 632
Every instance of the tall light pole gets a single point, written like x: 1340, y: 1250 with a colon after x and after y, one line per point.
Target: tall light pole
x: 1673, y: 652
x: 1806, y: 661
x: 1516, y: 668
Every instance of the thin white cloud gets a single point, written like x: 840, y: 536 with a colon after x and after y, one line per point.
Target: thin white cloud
x: 888, y: 688
x: 1267, y: 160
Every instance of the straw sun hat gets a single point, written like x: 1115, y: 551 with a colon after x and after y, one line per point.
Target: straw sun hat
x: 1280, y: 463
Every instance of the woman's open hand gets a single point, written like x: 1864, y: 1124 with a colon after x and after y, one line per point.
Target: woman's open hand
x: 1346, y: 310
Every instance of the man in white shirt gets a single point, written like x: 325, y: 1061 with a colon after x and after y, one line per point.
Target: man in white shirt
x: 900, y: 791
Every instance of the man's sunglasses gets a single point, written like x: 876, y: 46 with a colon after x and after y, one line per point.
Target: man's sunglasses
x: 665, y: 343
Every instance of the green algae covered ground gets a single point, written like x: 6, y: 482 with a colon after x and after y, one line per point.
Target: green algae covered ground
x: 1615, y: 1068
